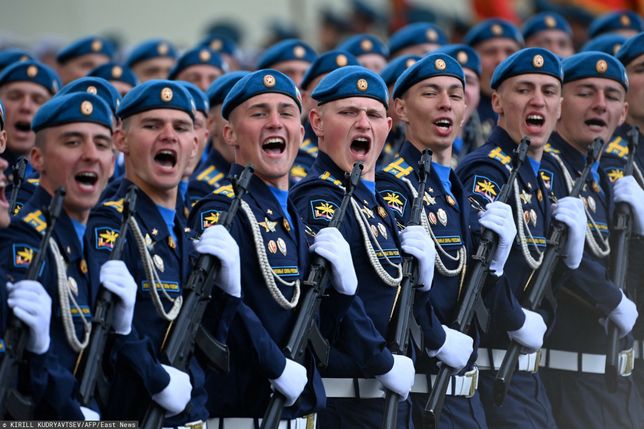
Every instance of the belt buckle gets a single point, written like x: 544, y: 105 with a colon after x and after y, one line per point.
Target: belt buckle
x: 626, y: 362
x: 197, y: 424
x: 474, y: 375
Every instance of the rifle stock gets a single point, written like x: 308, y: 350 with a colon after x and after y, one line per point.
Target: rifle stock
x: 467, y: 308
x: 305, y: 327
x: 557, y: 240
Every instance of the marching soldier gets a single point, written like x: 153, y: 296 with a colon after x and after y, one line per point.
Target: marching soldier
x: 551, y: 31
x: 199, y: 66
x: 527, y: 97
x: 152, y: 59
x: 594, y: 105
x: 118, y: 75
x: 418, y: 38
x: 369, y: 50
x: 351, y: 123
x: 81, y: 56
x: 263, y: 112
x: 292, y: 57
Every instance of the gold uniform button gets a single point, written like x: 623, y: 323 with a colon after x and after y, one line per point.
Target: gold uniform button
x: 362, y: 85
x: 366, y: 45
x: 117, y: 72
x: 341, y: 60
x: 601, y: 66
x: 269, y: 81
x: 432, y: 35
x: 215, y: 45
x: 86, y: 108
x: 550, y: 21
x: 496, y: 29
x: 537, y: 61
x: 299, y: 51
x: 204, y: 56
x: 166, y: 94
x: 625, y: 20
x: 32, y: 71
x: 92, y: 89
x: 461, y: 57
x: 163, y: 48
x: 439, y: 64
x: 97, y: 45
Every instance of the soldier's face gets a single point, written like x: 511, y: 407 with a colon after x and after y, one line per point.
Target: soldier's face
x: 556, y: 41
x: 21, y: 101
x: 122, y: 87
x: 373, y: 62
x: 202, y: 138
x: 154, y: 68
x: 216, y: 124
x: 492, y: 52
x: 352, y: 129
x: 295, y: 69
x: 78, y: 156
x: 266, y: 131
x: 201, y: 75
x: 635, y: 93
x: 79, y: 67
x: 529, y: 106
x: 4, y: 202
x: 592, y: 107
x: 433, y: 110
x: 158, y: 145
x: 421, y: 49
x: 472, y: 92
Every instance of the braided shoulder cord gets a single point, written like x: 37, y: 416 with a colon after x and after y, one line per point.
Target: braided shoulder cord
x: 522, y: 226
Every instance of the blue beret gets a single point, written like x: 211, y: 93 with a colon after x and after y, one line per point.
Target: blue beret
x: 220, y: 44
x: 155, y: 48
x: 10, y: 56
x: 218, y: 90
x: 527, y: 61
x: 156, y: 94
x: 97, y: 86
x: 431, y: 65
x: 416, y: 34
x: 633, y: 48
x: 594, y: 64
x: 615, y: 21
x: 266, y: 81
x: 70, y: 108
x: 465, y: 55
x: 351, y: 81
x: 199, y: 97
x: 362, y: 44
x: 84, y: 46
x: 116, y: 72
x: 609, y: 43
x: 494, y: 28
x: 31, y: 71
x: 326, y: 63
x: 286, y: 50
x: 396, y: 66
x: 545, y: 21
x: 195, y: 57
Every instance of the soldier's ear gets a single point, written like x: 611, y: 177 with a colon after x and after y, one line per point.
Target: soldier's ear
x: 3, y: 140
x: 120, y: 140
x: 230, y: 137
x: 315, y: 119
x: 400, y: 108
x: 496, y: 103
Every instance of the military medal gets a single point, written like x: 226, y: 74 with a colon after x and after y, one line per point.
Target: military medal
x: 533, y: 217
x: 442, y: 216
x: 450, y: 201
x: 281, y: 244
x: 268, y: 225
x: 591, y: 203
x: 374, y: 230
x: 429, y: 200
x: 526, y: 217
x: 73, y: 286
x: 287, y: 226
x: 368, y: 212
x: 382, y: 230
x: 148, y: 241
x: 155, y: 232
x: 382, y: 212
x: 83, y: 266
x: 272, y: 247
x: 432, y: 218
x: 158, y: 262
x: 525, y: 197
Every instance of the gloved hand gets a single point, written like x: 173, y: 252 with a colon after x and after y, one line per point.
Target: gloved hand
x: 176, y: 395
x: 627, y: 190
x: 331, y: 245
x: 218, y: 242
x: 624, y: 315
x: 456, y: 350
x: 31, y: 304
x: 400, y: 377
x: 530, y: 335
x: 116, y: 278
x: 292, y: 381
x: 570, y: 211
x: 90, y: 415
x: 497, y: 217
x: 417, y: 242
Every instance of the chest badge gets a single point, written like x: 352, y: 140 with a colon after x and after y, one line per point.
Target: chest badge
x: 269, y: 226
x: 525, y: 197
x: 158, y: 262
x: 281, y: 245
x: 383, y: 230
x: 442, y: 216
x: 73, y: 286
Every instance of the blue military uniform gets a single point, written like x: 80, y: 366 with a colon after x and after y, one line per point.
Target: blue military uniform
x: 448, y: 216
x: 483, y: 173
x: 577, y: 328
x: 207, y: 177
x: 266, y: 317
x: 306, y: 155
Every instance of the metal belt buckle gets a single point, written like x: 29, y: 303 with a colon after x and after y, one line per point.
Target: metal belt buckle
x: 626, y: 362
x: 198, y: 424
x: 474, y: 375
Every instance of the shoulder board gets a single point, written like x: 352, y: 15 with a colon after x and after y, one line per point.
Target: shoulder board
x: 226, y: 190
x: 298, y: 171
x: 614, y: 173
x: 399, y: 168
x: 327, y: 177
x: 115, y: 204
x: 308, y: 147
x: 497, y: 154
x: 618, y: 147
x: 211, y: 175
x: 549, y: 149
x: 36, y: 219
x: 34, y: 181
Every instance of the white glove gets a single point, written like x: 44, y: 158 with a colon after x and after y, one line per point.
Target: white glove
x: 32, y: 305
x: 90, y: 415
x: 292, y: 381
x: 570, y: 211
x: 497, y: 217
x: 331, y: 245
x: 624, y: 315
x: 176, y: 395
x: 456, y: 350
x: 530, y: 335
x: 627, y: 190
x: 218, y: 242
x: 116, y: 278
x: 416, y: 241
x: 400, y: 377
